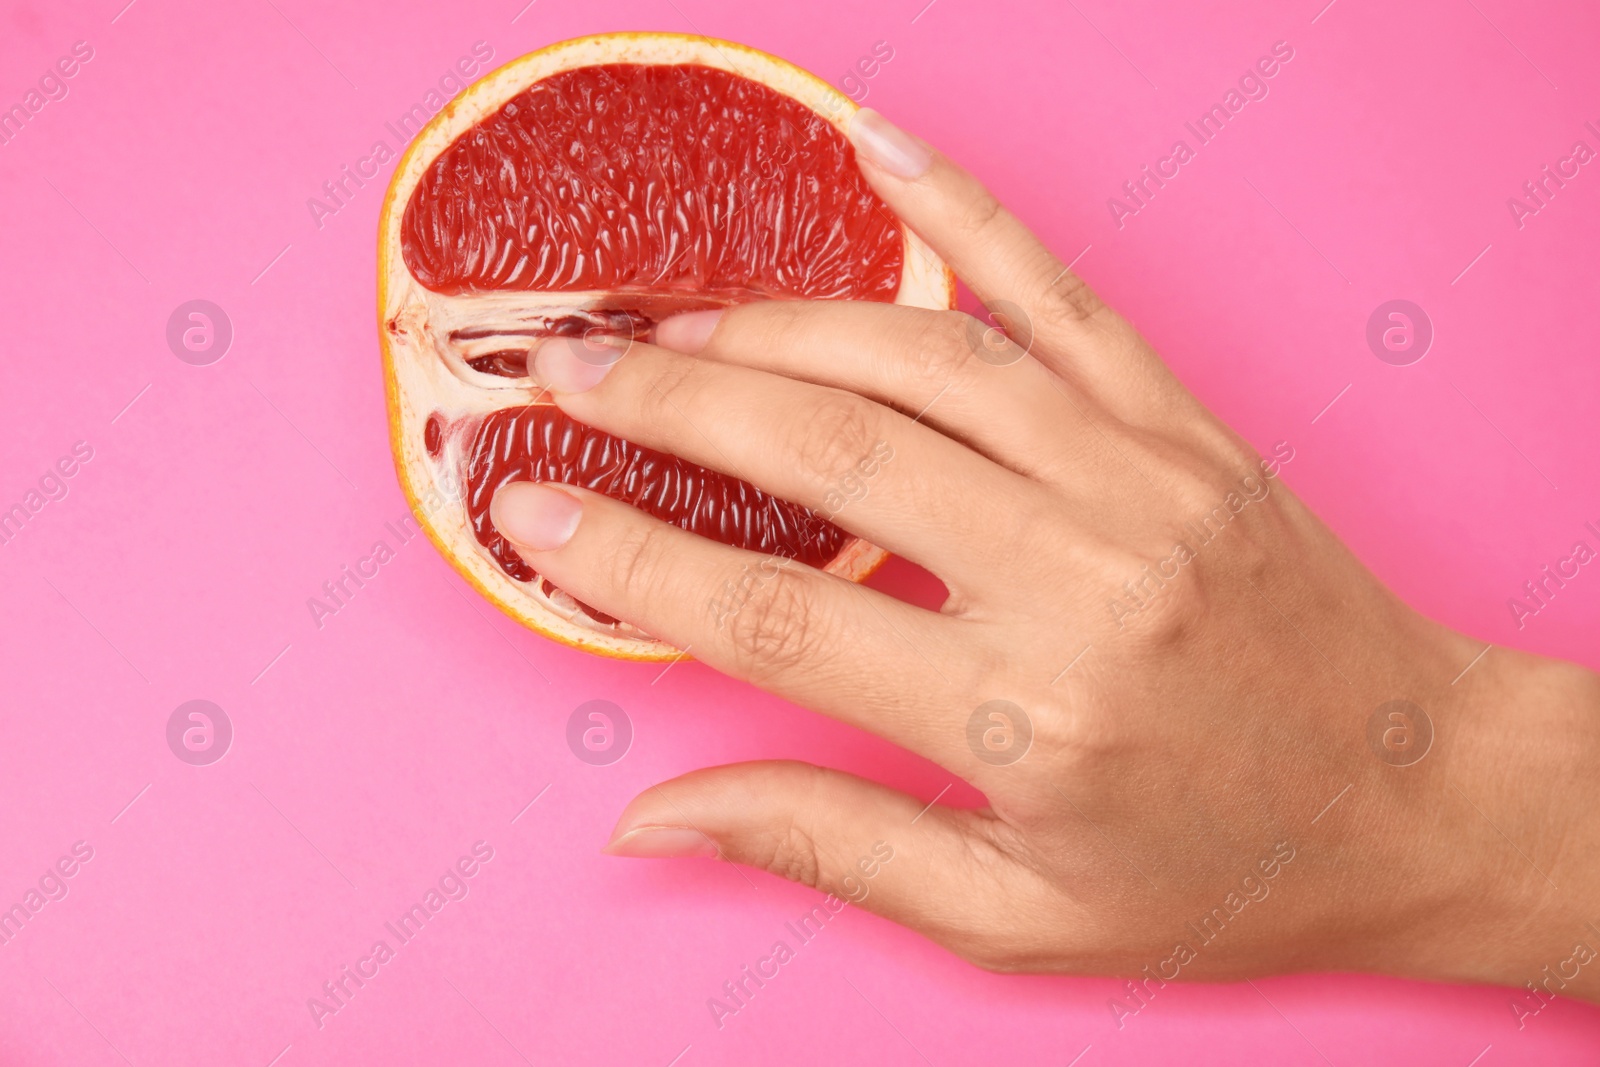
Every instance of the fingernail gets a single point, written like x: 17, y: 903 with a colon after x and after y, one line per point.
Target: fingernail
x: 689, y: 331
x: 888, y: 146
x: 574, y: 364
x: 662, y: 842
x: 535, y: 516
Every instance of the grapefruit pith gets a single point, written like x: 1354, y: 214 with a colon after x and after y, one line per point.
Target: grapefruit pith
x: 595, y: 187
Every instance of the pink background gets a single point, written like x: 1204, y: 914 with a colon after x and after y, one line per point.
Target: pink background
x: 373, y: 752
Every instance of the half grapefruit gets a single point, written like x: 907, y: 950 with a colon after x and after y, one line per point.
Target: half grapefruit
x: 594, y: 187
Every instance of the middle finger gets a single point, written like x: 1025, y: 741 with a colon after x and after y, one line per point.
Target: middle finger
x: 869, y: 469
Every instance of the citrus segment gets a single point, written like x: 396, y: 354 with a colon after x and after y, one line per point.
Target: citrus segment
x: 543, y: 444
x: 652, y: 177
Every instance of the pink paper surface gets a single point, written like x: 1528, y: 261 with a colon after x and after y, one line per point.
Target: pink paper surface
x: 371, y: 753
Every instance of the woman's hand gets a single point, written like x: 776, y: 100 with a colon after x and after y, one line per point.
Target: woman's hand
x: 1171, y: 681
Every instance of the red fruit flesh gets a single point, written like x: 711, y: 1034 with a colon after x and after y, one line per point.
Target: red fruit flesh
x: 648, y: 189
x: 657, y: 178
x: 541, y: 443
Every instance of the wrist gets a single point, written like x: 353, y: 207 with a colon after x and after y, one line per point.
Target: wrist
x: 1522, y: 781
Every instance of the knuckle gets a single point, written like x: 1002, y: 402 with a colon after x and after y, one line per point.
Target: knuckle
x: 979, y: 215
x: 765, y: 323
x: 1169, y: 600
x: 1071, y: 302
x: 1200, y: 493
x: 1154, y: 596
x: 1181, y: 616
x: 792, y: 854
x: 778, y: 629
x: 945, y: 343
x: 1235, y: 457
x: 833, y: 435
x: 670, y: 394
x: 637, y: 562
x: 1073, y: 734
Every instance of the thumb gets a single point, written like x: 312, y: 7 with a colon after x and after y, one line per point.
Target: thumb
x: 937, y: 870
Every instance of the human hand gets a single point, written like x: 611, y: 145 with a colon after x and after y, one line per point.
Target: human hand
x: 1180, y: 779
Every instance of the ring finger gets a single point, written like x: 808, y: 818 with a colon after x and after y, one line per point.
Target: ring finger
x: 854, y: 653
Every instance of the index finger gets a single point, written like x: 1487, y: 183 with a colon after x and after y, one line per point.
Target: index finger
x: 1073, y: 331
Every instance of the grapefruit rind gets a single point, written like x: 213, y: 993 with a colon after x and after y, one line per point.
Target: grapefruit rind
x: 418, y: 381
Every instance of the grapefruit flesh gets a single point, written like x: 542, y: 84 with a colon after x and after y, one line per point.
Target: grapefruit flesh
x: 595, y: 188
x: 540, y: 443
x: 653, y: 178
